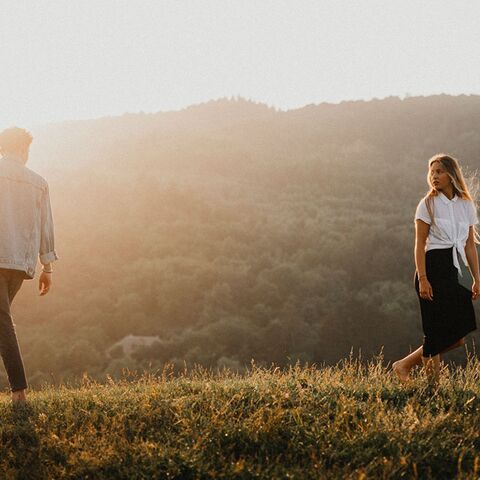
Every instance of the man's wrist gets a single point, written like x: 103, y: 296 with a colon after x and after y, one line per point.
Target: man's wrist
x: 47, y: 268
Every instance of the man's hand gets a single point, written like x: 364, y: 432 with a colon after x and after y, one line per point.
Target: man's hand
x: 44, y: 283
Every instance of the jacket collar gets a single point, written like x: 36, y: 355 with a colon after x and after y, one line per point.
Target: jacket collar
x: 445, y: 199
x: 13, y: 158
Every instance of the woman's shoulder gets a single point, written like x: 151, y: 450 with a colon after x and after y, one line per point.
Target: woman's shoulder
x: 421, y: 212
x: 421, y: 205
x: 429, y: 198
x: 467, y: 202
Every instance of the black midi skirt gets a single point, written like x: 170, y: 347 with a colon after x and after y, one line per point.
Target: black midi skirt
x: 450, y: 315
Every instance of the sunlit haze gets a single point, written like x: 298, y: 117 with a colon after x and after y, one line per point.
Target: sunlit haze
x: 74, y: 60
x: 232, y: 184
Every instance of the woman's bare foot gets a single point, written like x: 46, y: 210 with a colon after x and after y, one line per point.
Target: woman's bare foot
x: 401, y: 371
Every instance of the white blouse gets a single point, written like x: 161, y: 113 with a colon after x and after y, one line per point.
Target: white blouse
x: 452, y: 221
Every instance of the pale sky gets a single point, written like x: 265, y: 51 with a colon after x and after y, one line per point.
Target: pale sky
x: 76, y: 59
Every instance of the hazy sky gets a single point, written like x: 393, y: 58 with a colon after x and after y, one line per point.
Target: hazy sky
x: 84, y: 59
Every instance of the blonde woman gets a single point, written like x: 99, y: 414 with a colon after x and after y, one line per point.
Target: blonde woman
x: 445, y: 235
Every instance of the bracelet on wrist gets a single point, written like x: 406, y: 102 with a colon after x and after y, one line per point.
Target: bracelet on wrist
x: 47, y: 271
x: 422, y: 276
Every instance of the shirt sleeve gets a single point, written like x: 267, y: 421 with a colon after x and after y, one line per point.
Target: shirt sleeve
x: 47, y: 253
x: 472, y: 213
x: 422, y: 212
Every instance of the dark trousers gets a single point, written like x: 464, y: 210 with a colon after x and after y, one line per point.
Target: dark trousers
x: 10, y: 283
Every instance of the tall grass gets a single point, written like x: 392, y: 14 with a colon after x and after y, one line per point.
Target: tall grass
x: 352, y: 420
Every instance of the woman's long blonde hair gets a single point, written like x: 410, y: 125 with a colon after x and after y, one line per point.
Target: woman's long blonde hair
x: 463, y: 188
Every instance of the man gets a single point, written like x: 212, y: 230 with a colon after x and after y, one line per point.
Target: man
x: 26, y: 232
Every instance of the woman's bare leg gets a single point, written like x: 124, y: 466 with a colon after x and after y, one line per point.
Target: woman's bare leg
x: 19, y: 397
x: 402, y: 367
x: 432, y: 368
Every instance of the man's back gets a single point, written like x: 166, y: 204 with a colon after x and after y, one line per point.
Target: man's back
x: 26, y: 235
x: 26, y: 224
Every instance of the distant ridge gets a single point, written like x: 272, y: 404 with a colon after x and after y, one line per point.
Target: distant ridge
x: 254, y: 132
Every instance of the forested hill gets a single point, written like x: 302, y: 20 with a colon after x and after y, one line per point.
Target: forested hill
x: 243, y: 133
x: 234, y: 231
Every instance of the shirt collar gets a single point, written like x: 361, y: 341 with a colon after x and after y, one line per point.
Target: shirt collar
x: 14, y: 158
x: 445, y: 199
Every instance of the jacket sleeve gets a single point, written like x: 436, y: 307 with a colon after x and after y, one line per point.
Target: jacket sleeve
x: 47, y: 252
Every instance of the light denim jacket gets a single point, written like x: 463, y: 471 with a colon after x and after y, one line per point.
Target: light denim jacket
x: 26, y: 223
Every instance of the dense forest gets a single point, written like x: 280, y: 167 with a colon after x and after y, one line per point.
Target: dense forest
x: 234, y: 231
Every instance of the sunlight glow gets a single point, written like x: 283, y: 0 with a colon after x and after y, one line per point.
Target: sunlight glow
x: 77, y: 60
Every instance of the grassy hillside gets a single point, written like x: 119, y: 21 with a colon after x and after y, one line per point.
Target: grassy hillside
x: 233, y: 231
x: 351, y: 420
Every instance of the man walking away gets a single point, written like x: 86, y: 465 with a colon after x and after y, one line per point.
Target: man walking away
x: 26, y: 233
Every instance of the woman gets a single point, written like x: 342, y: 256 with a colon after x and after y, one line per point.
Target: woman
x: 445, y: 230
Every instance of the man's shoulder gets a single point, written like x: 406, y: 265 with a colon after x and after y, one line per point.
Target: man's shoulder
x: 36, y: 178
x: 23, y: 173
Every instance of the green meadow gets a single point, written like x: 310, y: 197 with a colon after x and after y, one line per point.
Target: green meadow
x: 351, y: 420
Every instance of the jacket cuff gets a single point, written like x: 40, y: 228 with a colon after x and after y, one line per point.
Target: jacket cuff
x: 48, y: 257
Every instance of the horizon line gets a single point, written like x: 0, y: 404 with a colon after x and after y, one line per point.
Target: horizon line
x: 237, y: 98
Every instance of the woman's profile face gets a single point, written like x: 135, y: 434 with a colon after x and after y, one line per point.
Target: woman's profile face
x: 438, y: 176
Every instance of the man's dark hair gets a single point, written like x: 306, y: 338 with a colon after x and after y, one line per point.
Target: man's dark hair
x: 14, y: 139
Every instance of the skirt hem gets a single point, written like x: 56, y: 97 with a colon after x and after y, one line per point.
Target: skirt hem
x: 450, y: 342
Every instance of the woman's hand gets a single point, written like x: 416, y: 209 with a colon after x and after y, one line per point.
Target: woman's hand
x: 475, y: 289
x: 426, y: 291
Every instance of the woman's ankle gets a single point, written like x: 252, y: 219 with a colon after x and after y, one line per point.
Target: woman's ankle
x: 19, y: 394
